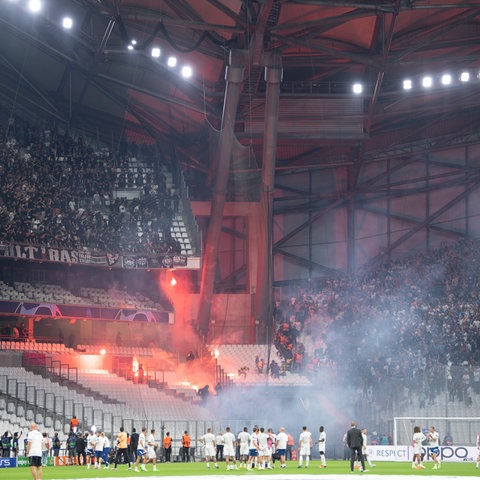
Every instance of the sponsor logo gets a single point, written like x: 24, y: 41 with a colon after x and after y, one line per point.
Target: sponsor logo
x: 8, y: 462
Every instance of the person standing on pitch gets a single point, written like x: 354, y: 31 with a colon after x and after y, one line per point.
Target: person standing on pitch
x: 122, y: 449
x: 433, y: 438
x: 322, y: 445
x: 418, y: 439
x: 355, y: 442
x: 229, y: 449
x: 364, y: 448
x: 34, y: 451
x: 167, y: 447
x: 142, y: 451
x: 186, y: 447
x: 208, y: 440
x: 244, y: 439
x: 281, y: 446
x: 152, y: 445
x: 304, y: 443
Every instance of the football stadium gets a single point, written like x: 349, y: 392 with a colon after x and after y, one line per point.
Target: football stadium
x: 239, y: 238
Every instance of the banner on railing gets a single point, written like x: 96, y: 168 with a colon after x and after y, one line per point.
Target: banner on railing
x: 8, y: 462
x: 59, y: 310
x: 86, y: 257
x: 404, y: 453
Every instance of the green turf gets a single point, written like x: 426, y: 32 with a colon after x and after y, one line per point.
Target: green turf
x: 199, y: 468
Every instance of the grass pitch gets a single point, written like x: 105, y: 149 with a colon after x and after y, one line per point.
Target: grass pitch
x: 335, y: 467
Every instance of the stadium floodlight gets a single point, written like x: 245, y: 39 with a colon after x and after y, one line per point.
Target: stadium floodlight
x: 172, y: 62
x: 34, y: 6
x: 407, y: 84
x: 427, y: 82
x: 155, y: 52
x: 446, y: 79
x: 187, y: 71
x: 67, y: 23
x: 130, y: 47
x: 133, y: 42
x: 357, y: 88
x: 465, y: 76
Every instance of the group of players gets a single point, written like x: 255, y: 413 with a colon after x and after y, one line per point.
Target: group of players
x: 258, y: 449
x: 432, y: 437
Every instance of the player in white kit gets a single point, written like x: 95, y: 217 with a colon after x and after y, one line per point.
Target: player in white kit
x: 271, y: 443
x: 208, y: 440
x: 322, y: 445
x: 364, y: 448
x: 229, y: 449
x: 244, y: 439
x: 91, y: 442
x: 281, y: 446
x: 433, y: 438
x: 417, y: 440
x: 304, y: 443
x: 142, y: 450
x: 262, y: 439
x: 253, y: 449
x: 99, y: 444
x: 152, y: 444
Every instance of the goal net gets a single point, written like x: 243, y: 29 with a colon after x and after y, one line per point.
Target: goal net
x: 454, y: 431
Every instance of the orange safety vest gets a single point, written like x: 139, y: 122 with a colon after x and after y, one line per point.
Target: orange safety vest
x: 122, y: 440
x: 186, y: 441
x: 167, y: 442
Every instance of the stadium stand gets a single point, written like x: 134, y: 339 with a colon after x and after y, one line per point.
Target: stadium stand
x: 243, y: 364
x: 414, y: 322
x: 126, y: 400
x: 88, y: 198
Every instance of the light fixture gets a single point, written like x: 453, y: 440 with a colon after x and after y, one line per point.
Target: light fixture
x: 446, y: 79
x: 187, y: 71
x: 357, y: 88
x: 133, y: 42
x: 407, y: 84
x: 172, y: 62
x: 34, y: 5
x: 464, y: 76
x: 427, y: 82
x: 130, y: 47
x: 155, y: 52
x: 67, y: 23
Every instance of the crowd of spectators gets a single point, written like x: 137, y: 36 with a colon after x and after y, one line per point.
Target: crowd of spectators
x: 409, y: 323
x: 57, y: 191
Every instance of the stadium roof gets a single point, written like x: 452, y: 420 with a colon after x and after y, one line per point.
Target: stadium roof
x: 87, y: 77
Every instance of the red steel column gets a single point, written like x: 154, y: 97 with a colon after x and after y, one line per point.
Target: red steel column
x: 263, y: 297
x: 234, y: 77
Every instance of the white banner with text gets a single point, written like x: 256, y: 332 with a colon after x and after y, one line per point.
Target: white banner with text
x: 402, y: 453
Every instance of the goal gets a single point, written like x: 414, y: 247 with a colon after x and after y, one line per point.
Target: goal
x: 464, y: 431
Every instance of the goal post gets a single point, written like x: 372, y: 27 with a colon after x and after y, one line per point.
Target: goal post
x: 460, y: 431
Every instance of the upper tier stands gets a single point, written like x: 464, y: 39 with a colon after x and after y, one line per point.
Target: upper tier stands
x: 59, y: 192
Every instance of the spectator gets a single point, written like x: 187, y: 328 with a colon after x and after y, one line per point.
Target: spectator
x: 51, y: 191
